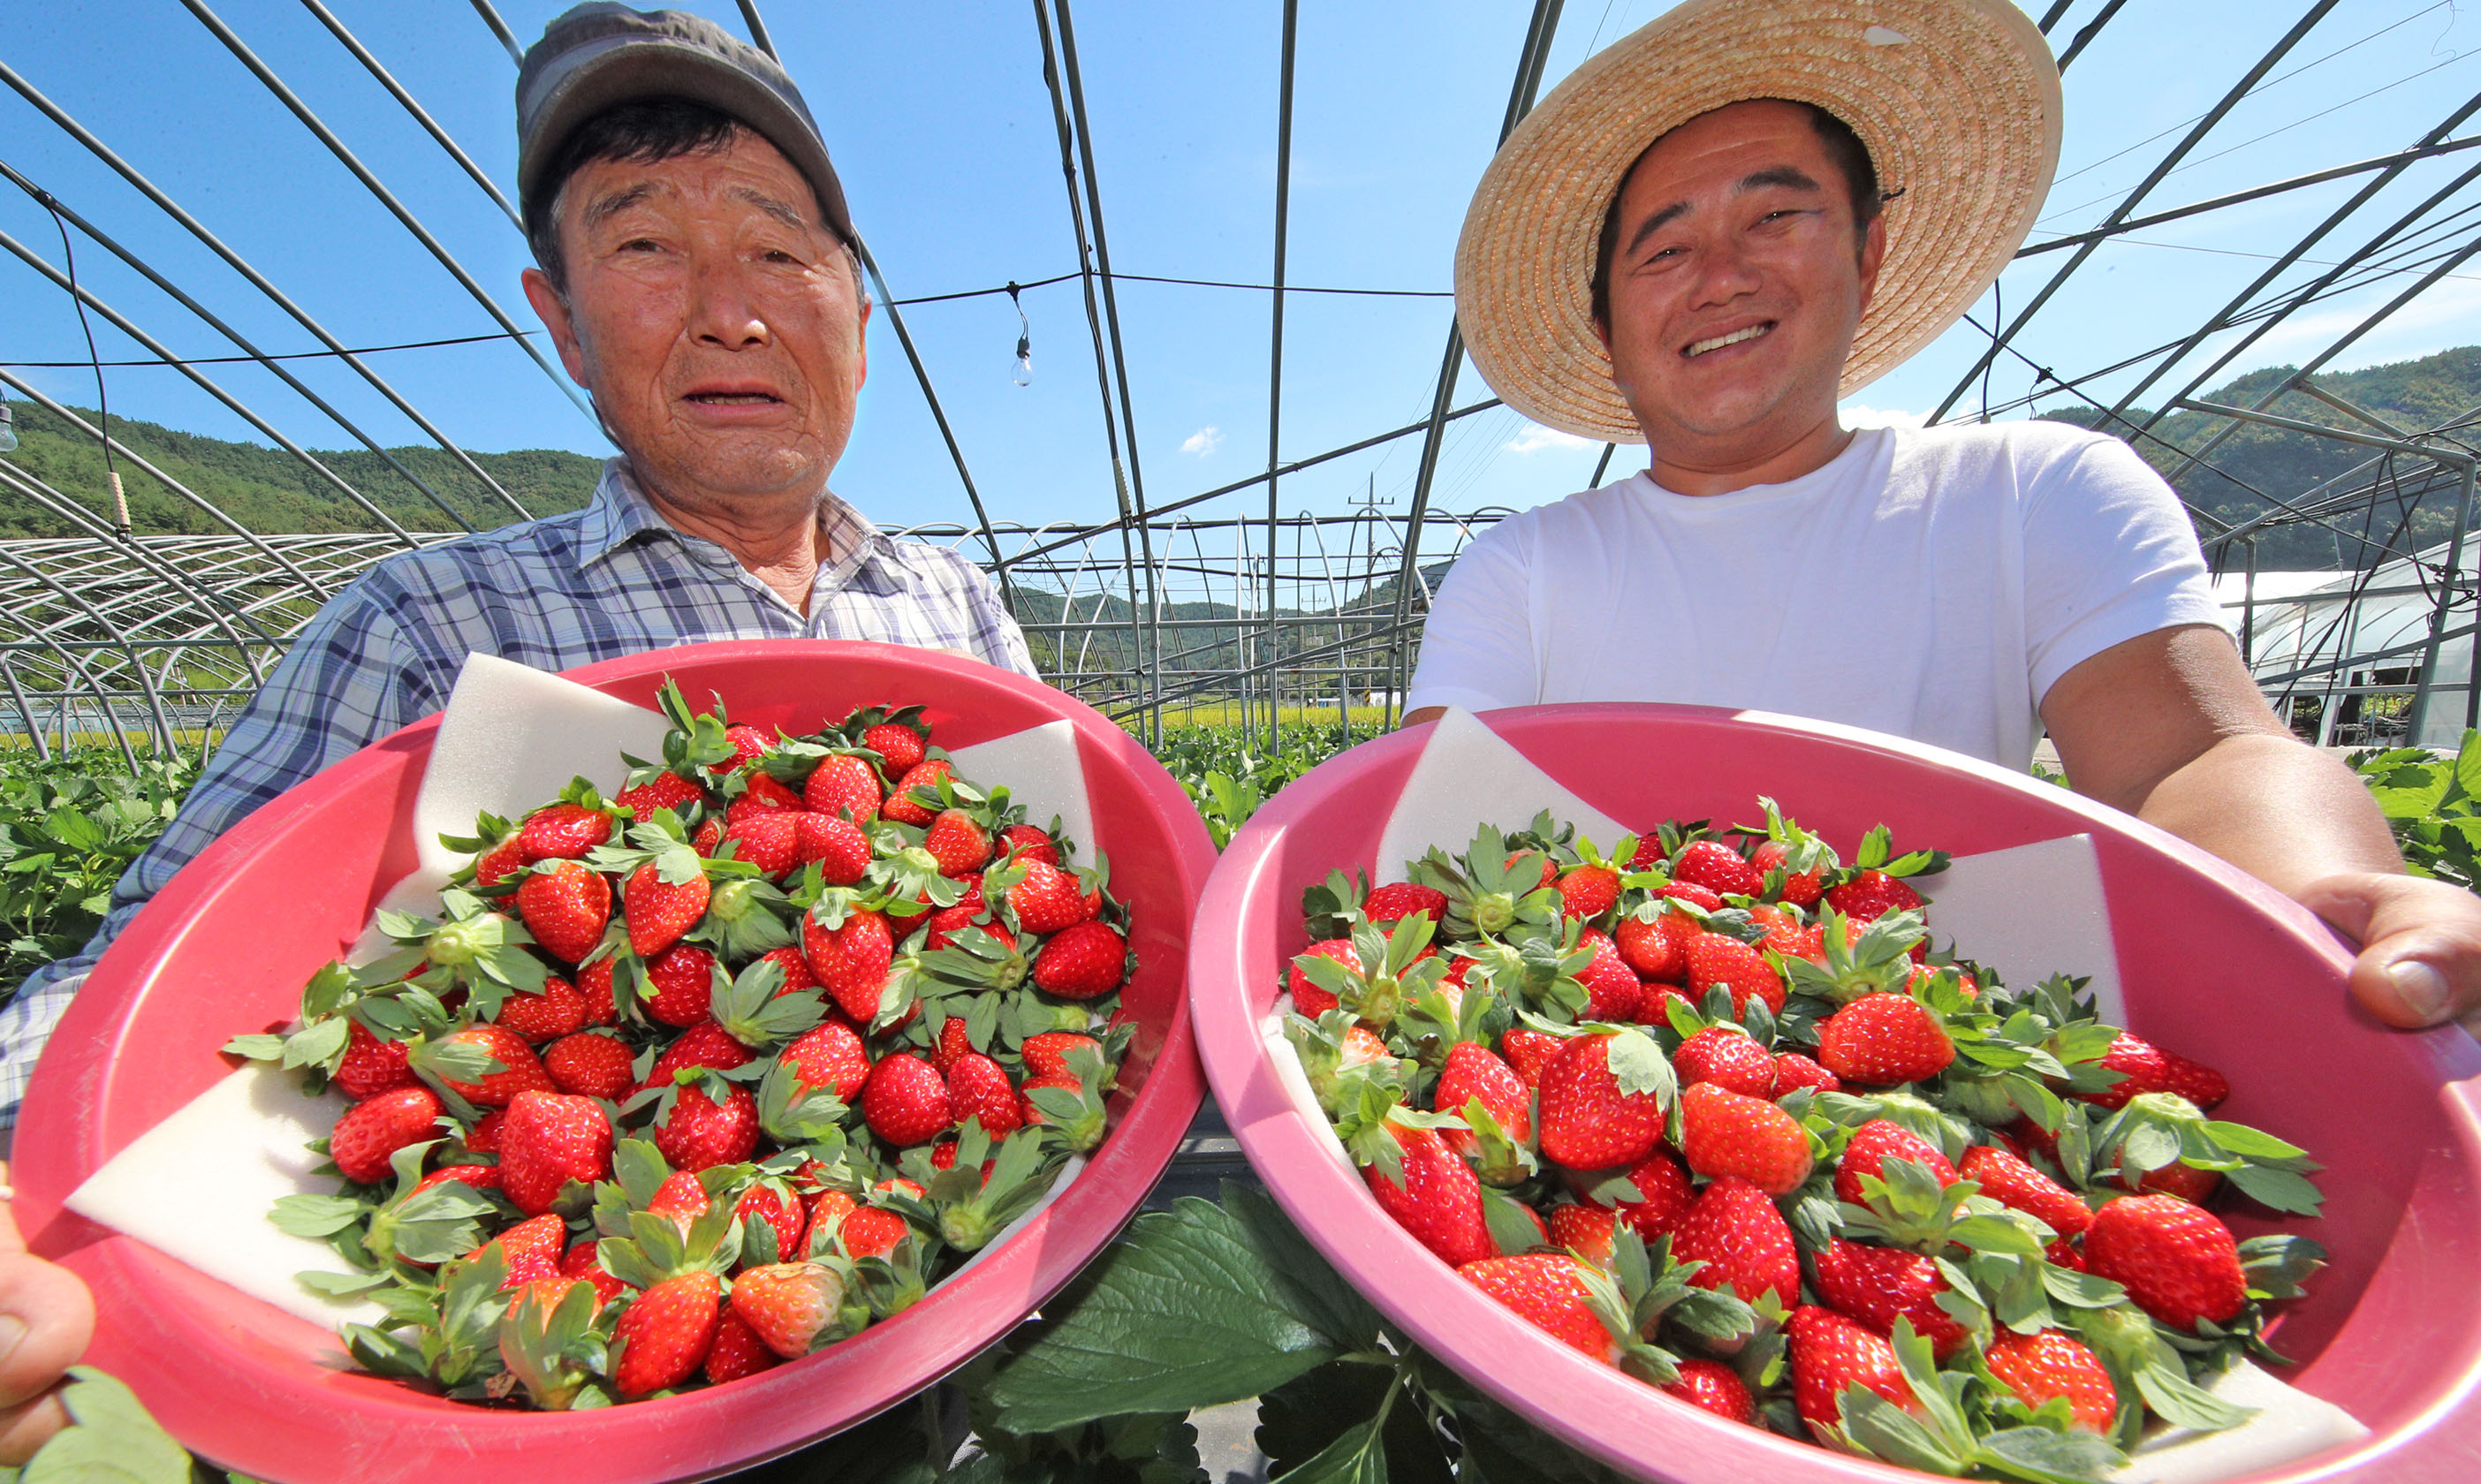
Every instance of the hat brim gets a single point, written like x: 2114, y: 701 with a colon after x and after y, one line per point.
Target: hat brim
x: 1957, y: 101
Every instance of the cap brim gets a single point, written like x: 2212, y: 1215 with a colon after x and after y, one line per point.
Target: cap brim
x: 1957, y: 101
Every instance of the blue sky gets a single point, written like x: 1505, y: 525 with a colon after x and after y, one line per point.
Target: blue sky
x: 942, y: 128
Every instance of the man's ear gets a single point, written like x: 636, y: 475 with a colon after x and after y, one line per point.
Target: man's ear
x: 552, y: 309
x: 861, y: 346
x: 1603, y: 334
x: 1873, y: 252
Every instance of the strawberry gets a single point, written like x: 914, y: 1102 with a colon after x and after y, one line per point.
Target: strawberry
x: 681, y: 984
x: 2186, y: 1181
x: 851, y: 962
x: 874, y: 1230
x: 1799, y: 888
x: 1548, y: 1291
x: 1649, y: 852
x: 531, y: 1249
x: 797, y: 970
x: 2145, y: 1067
x: 1307, y: 998
x: 1663, y: 1196
x: 520, y: 1070
x: 1047, y: 1055
x: 737, y: 1351
x: 660, y: 911
x: 1400, y: 899
x: 561, y: 832
x: 1717, y: 958
x: 590, y: 1064
x: 901, y: 806
x: 499, y: 863
x: 594, y: 993
x: 957, y: 841
x: 1529, y: 1052
x: 1744, y: 1243
x: 484, y: 1138
x: 830, y: 1056
x: 791, y: 1306
x: 582, y: 1263
x: 1728, y: 1057
x: 897, y: 744
x: 1595, y: 1114
x: 1871, y: 895
x: 700, y: 1132
x: 771, y: 841
x: 747, y: 743
x: 1083, y: 962
x: 1877, y: 1141
x: 2178, y: 1261
x: 1587, y: 892
x: 781, y: 1210
x: 1028, y: 843
x: 374, y: 1129
x: 663, y: 1338
x: 371, y: 1066
x: 705, y: 1044
x: 1657, y: 949
x: 1717, y: 868
x: 1884, y: 1039
x: 2194, y: 1081
x: 481, y: 1177
x: 847, y: 785
x: 1048, y: 899
x: 978, y: 1088
x: 1584, y: 1230
x: 550, y: 1139
x: 1879, y: 1286
x: 1613, y: 991
x: 839, y: 847
x: 1471, y: 1071
x: 2052, y: 1362
x: 663, y: 791
x: 2015, y: 1183
x: 1831, y: 1353
x: 761, y: 793
x: 681, y: 1199
x: 564, y: 906
x: 1435, y: 1197
x: 1794, y: 1071
x: 956, y: 1040
x: 906, y: 1102
x: 1722, y: 1133
x: 1715, y: 1387
x: 556, y: 1011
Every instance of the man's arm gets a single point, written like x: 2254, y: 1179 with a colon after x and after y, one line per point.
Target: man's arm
x: 2170, y: 727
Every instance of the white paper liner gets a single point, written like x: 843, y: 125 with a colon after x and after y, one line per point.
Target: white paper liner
x: 1979, y: 900
x: 1468, y: 778
x: 2290, y: 1424
x: 198, y: 1185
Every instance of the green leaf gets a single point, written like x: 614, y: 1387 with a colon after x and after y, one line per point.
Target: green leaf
x: 2256, y: 1143
x: 2182, y: 1403
x: 316, y: 1215
x: 2280, y: 1189
x: 2041, y: 1453
x: 1356, y: 1458
x: 114, y: 1442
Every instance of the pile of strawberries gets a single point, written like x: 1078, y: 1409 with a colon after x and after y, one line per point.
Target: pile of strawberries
x: 699, y: 1079
x: 1713, y: 1108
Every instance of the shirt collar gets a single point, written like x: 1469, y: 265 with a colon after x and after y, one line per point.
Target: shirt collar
x: 620, y: 513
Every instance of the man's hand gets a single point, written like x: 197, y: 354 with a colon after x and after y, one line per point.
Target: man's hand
x: 2420, y: 945
x: 46, y: 1318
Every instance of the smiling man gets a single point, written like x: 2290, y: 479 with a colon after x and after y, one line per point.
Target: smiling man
x: 1702, y: 240
x: 696, y: 269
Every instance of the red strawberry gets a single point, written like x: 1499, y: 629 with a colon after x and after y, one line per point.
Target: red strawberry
x: 749, y: 744
x: 1584, y: 1230
x: 681, y: 984
x: 559, y: 1010
x: 874, y: 1230
x: 1718, y: 958
x: 2178, y: 1261
x: 1884, y: 1039
x: 371, y: 1066
x: 705, y: 1044
x: 1664, y: 1196
x: 681, y: 1199
x: 1657, y: 950
x: 839, y: 846
x: 1715, y: 1387
x: 1437, y: 1200
x: 531, y: 1249
x: 851, y: 962
x: 1612, y: 992
x: 2184, y: 1181
x: 797, y: 970
x: 771, y: 841
x: 1400, y: 899
x: 844, y: 784
x: 2051, y: 1363
x: 2145, y: 1067
x: 663, y: 791
x: 659, y: 911
x: 978, y: 1088
x: 377, y: 1128
x: 594, y: 993
x: 1472, y: 1071
x: 1030, y: 844
x: 2013, y: 1183
x: 830, y: 1056
x: 1530, y: 1051
x: 565, y: 908
x: 584, y: 1264
x: 700, y: 1133
x: 957, y: 841
x: 1799, y: 889
x: 1879, y: 1286
x: 1871, y: 895
x: 1794, y: 1071
x: 954, y: 1041
x: 780, y: 1210
x: 906, y: 1102
x: 761, y: 793
x: 737, y: 1351
x: 1307, y: 998
x: 897, y: 744
x: 1588, y: 891
x: 561, y: 832
x: 1877, y: 1141
x: 1595, y: 1116
x: 550, y: 1139
x: 1728, y: 1057
x: 481, y: 1177
x: 1083, y: 962
x: 1548, y: 1291
x: 1722, y: 1133
x: 663, y: 1338
x: 900, y: 805
x: 1049, y: 899
x: 1047, y: 1055
x: 590, y: 1064
x: 520, y: 1070
x: 791, y: 1305
x: 2194, y: 1081
x: 948, y: 922
x: 1831, y: 1353
x: 484, y: 1138
x: 1717, y: 868
x: 1744, y: 1243
x: 499, y: 863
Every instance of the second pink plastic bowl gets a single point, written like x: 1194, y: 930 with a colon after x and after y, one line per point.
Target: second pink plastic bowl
x: 2212, y: 963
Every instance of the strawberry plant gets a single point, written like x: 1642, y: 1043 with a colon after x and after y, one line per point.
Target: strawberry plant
x: 2434, y: 805
x: 69, y: 825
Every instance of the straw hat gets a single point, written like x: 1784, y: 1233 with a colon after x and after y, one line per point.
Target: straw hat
x: 1957, y: 100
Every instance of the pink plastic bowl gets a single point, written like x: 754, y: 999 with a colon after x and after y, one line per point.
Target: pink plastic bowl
x: 259, y: 1391
x: 2212, y: 963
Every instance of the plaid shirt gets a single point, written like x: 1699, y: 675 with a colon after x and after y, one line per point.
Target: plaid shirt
x: 607, y: 580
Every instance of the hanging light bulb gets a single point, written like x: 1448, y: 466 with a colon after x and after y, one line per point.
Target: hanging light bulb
x: 1023, y: 375
x: 8, y: 429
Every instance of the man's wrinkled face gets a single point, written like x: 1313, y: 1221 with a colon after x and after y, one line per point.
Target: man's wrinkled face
x: 714, y: 315
x: 1738, y: 281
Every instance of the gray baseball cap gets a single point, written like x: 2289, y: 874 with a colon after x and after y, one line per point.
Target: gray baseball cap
x: 596, y: 56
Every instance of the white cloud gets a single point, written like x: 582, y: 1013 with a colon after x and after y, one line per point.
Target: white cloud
x: 1535, y: 438
x: 1204, y: 441
x: 1855, y: 415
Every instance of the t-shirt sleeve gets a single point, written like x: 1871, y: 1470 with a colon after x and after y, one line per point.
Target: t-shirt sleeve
x: 2110, y: 556
x: 1478, y: 645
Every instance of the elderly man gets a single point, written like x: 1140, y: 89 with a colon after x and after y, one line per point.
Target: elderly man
x: 1688, y: 245
x: 695, y: 269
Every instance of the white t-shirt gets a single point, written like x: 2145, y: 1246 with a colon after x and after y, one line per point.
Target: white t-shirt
x: 1932, y: 585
